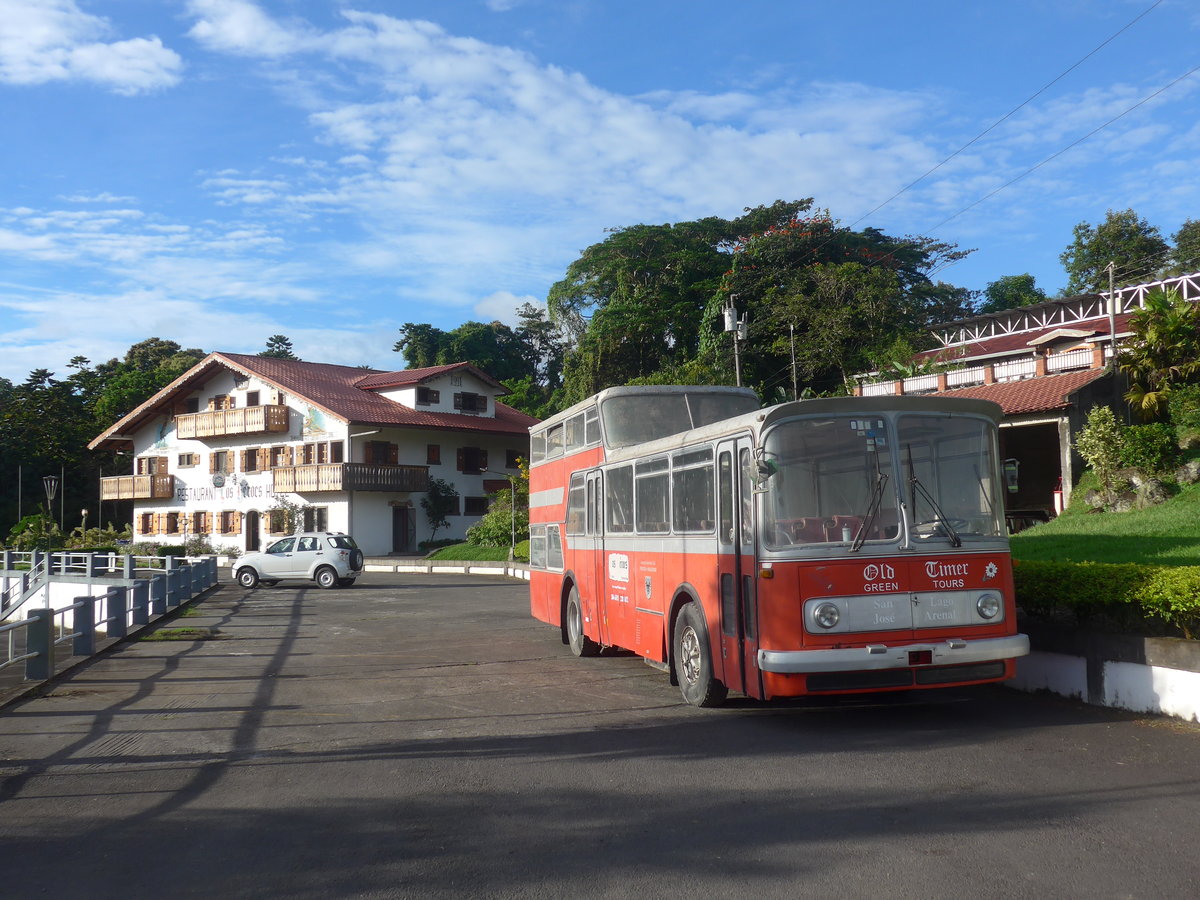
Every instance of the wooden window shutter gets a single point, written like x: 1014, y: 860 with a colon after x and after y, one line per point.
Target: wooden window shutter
x: 393, y: 456
x: 291, y: 456
x: 237, y: 523
x: 212, y: 463
x: 264, y: 458
x: 461, y: 458
x: 160, y: 466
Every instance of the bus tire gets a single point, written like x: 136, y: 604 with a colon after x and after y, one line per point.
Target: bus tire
x: 693, y: 659
x: 580, y: 643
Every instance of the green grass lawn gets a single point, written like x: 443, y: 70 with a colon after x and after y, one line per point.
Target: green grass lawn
x: 471, y: 553
x: 1164, y: 535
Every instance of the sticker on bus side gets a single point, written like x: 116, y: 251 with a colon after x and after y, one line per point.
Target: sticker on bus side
x: 618, y: 567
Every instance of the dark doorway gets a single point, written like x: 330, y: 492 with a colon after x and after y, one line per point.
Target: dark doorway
x: 1035, y: 451
x: 404, y: 527
x: 252, y: 531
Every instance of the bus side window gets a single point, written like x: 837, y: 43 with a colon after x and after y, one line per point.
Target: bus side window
x: 725, y: 498
x: 652, y: 489
x: 619, y: 493
x: 747, y: 499
x: 576, y: 505
x: 554, y: 555
x: 537, y: 447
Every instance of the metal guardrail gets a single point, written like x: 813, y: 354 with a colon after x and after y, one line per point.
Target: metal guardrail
x: 125, y: 607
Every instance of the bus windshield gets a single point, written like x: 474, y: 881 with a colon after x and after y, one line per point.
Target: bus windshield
x: 832, y: 483
x: 949, y: 477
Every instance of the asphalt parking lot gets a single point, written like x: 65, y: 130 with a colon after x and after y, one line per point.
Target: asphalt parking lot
x: 418, y: 736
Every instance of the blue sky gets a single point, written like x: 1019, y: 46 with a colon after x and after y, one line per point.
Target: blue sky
x: 217, y: 171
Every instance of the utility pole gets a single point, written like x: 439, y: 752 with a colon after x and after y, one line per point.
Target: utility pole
x: 792, y: 335
x: 738, y: 327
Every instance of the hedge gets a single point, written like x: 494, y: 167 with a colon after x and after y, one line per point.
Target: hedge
x: 1125, y: 595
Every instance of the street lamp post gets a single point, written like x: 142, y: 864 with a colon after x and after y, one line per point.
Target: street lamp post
x: 50, y: 483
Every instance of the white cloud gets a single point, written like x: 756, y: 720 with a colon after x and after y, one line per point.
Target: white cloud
x: 54, y: 40
x: 502, y: 306
x: 237, y: 26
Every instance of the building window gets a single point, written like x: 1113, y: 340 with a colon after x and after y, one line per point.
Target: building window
x: 381, y: 453
x: 172, y: 523
x: 199, y: 523
x: 251, y: 457
x: 222, y: 401
x: 475, y: 506
x: 151, y: 465
x: 281, y: 457
x: 191, y: 405
x: 472, y: 460
x: 316, y: 518
x: 230, y: 522
x: 146, y: 523
x: 220, y: 462
x: 426, y: 396
x: 433, y: 454
x: 187, y: 460
x: 277, y: 521
x: 512, y: 459
x: 468, y: 402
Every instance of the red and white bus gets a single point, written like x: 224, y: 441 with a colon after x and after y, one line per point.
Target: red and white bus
x: 826, y: 546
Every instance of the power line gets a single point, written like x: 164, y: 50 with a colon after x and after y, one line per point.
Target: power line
x: 1008, y: 115
x: 1073, y: 144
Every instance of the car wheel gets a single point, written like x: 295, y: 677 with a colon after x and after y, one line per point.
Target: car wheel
x: 693, y: 659
x: 345, y: 582
x: 327, y: 578
x: 580, y: 643
x: 247, y: 577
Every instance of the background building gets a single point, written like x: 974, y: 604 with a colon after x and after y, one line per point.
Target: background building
x: 241, y: 448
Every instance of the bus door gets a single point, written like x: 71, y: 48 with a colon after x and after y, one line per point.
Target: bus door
x: 595, y: 539
x: 735, y: 566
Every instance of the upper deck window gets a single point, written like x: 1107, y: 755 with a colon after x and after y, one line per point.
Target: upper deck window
x: 636, y: 418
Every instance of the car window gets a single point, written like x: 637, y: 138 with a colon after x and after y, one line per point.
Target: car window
x: 342, y: 542
x: 284, y: 546
x: 307, y: 544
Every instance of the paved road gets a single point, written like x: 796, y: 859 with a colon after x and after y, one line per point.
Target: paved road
x: 422, y: 737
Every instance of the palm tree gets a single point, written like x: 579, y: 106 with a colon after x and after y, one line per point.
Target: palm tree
x: 1163, y: 352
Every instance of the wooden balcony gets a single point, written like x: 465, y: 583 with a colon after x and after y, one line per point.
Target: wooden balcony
x: 223, y: 422
x: 137, y: 487
x: 350, y: 477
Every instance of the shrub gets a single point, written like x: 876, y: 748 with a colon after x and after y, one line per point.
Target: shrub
x: 1124, y: 596
x: 1152, y: 448
x: 495, y: 527
x: 1184, y: 405
x: 172, y: 550
x: 1099, y: 442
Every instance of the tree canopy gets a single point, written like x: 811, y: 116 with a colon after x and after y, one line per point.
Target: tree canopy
x: 1010, y: 292
x: 279, y: 346
x: 1134, y: 247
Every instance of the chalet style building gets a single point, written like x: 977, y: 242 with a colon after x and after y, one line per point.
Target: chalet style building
x: 240, y: 446
x: 1047, y: 366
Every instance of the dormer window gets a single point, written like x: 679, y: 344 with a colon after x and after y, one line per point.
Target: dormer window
x: 427, y: 396
x: 470, y: 402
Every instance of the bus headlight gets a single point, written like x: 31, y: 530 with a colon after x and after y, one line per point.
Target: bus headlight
x: 826, y: 615
x: 988, y: 605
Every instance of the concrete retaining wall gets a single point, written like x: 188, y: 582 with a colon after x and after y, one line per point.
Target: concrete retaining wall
x: 1140, y: 674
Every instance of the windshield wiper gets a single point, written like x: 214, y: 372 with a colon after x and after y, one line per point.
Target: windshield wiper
x: 914, y: 485
x: 872, y: 510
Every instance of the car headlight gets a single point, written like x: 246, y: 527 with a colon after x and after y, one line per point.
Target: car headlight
x: 827, y: 615
x: 988, y: 605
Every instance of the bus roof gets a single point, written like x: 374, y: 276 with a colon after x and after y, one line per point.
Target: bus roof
x: 645, y: 390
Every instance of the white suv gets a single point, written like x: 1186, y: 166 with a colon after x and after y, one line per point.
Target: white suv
x: 329, y: 559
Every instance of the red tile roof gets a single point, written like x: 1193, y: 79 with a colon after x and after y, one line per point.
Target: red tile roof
x: 336, y: 390
x: 1032, y: 395
x: 407, y: 377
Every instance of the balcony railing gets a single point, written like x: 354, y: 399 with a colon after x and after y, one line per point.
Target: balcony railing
x: 350, y: 477
x: 222, y: 422
x: 137, y: 487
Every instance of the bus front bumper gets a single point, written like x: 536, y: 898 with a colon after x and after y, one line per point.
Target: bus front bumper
x: 953, y: 651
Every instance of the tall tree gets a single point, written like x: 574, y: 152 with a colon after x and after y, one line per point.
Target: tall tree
x: 279, y: 346
x: 1010, y: 292
x: 635, y: 303
x: 1134, y: 247
x: 846, y: 295
x: 1185, y: 255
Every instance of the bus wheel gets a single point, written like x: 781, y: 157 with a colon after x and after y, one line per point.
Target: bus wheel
x: 693, y: 659
x: 581, y: 644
